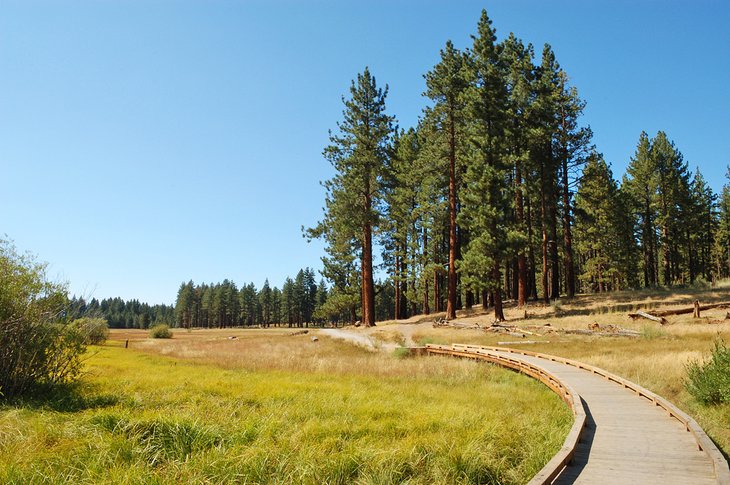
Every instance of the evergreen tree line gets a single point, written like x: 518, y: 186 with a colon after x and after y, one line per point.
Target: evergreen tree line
x: 121, y: 314
x: 499, y: 193
x: 300, y: 302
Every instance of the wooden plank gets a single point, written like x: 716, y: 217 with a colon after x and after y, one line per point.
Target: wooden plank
x: 633, y: 435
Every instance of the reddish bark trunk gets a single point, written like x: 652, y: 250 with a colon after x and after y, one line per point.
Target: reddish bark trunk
x: 368, y: 287
x: 451, y: 303
x: 567, y: 234
x: 426, y: 309
x: 520, y: 216
x: 543, y: 217
x: 497, y: 296
x: 554, y: 259
x: 436, y: 293
x: 396, y: 315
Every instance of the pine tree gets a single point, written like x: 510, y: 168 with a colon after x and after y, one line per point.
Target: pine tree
x: 446, y: 85
x: 641, y: 185
x: 320, y: 301
x: 266, y: 303
x: 402, y: 216
x: 571, y: 146
x: 701, y: 227
x: 432, y: 211
x: 672, y: 206
x: 721, y: 247
x: 276, y: 315
x: 519, y: 74
x: 184, y: 306
x: 546, y: 108
x: 601, y: 221
x: 359, y: 152
x: 485, y: 202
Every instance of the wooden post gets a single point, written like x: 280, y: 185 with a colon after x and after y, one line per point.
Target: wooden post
x: 126, y: 344
x: 696, y: 313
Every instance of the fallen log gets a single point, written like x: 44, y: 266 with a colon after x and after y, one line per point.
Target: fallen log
x: 683, y: 311
x: 497, y: 328
x: 523, y: 342
x: 457, y: 325
x: 649, y: 316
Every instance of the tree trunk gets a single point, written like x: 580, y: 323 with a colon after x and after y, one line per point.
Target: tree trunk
x: 485, y: 299
x: 426, y: 309
x: 567, y: 233
x: 397, y: 311
x: 554, y: 259
x: 451, y: 303
x: 497, y: 294
x: 507, y: 279
x: 543, y: 217
x: 532, y: 271
x: 436, y: 292
x: 692, y: 258
x: 403, y: 288
x: 667, y: 258
x: 368, y: 287
x: 520, y: 216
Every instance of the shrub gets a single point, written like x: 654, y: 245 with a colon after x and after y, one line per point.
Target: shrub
x: 160, y: 331
x: 34, y: 348
x: 95, y: 331
x: 709, y: 382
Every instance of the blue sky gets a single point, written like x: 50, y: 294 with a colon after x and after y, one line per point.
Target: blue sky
x: 145, y: 143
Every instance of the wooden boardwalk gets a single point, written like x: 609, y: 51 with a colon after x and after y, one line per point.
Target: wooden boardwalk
x: 624, y: 434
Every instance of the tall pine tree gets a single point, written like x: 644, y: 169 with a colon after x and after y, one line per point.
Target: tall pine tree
x: 360, y: 153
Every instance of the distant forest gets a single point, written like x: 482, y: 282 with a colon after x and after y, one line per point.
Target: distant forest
x: 300, y: 302
x: 121, y: 314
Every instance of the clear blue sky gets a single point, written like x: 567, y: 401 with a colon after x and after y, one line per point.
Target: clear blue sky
x: 144, y: 143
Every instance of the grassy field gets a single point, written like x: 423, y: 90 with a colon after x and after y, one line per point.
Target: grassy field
x: 264, y: 406
x: 267, y: 407
x: 656, y: 359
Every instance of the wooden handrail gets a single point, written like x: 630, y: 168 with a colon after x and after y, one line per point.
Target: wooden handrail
x: 704, y: 443
x: 561, y: 459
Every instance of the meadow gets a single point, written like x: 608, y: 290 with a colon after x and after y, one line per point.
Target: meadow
x: 268, y: 407
x: 271, y: 406
x: 656, y: 358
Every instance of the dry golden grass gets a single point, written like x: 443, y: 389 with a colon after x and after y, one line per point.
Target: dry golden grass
x: 269, y: 407
x: 278, y: 350
x: 656, y: 359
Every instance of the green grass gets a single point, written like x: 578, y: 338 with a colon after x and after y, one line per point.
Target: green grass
x: 144, y: 418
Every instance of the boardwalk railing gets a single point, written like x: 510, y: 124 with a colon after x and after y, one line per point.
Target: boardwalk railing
x: 572, y: 399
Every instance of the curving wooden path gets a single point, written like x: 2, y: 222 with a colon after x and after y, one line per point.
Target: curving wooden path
x: 623, y: 433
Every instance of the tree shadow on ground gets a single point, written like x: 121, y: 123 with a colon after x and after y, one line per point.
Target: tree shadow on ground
x: 64, y: 398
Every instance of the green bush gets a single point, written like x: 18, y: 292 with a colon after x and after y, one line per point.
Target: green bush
x: 709, y: 382
x: 94, y: 330
x: 160, y: 331
x: 34, y: 348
